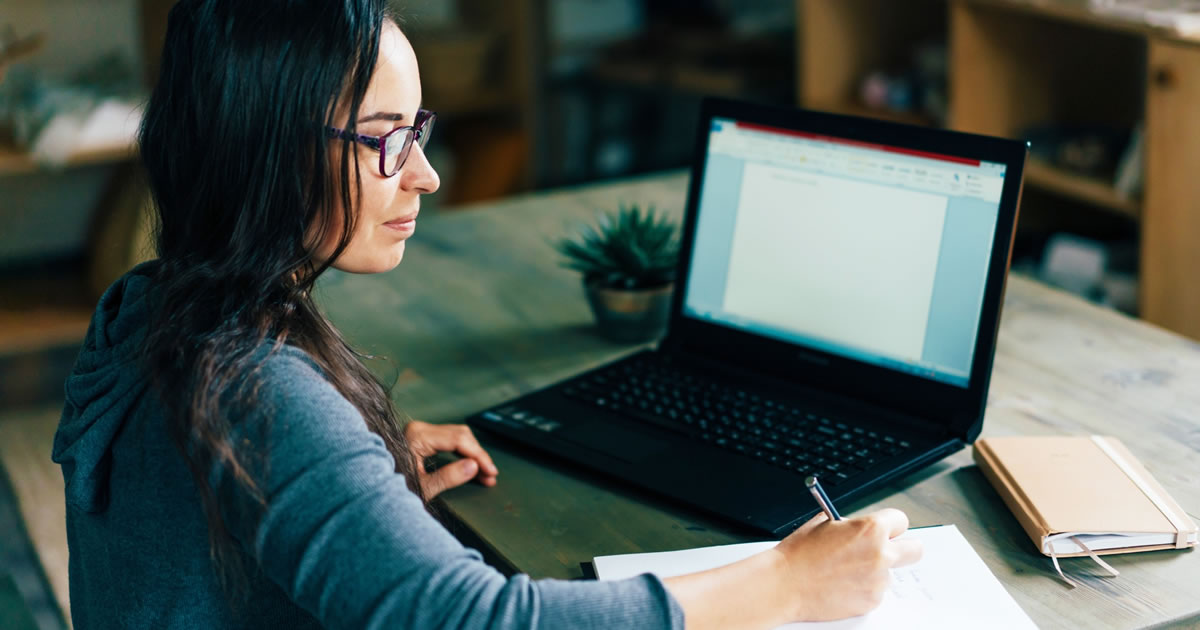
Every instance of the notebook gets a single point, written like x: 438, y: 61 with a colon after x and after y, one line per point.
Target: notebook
x: 1081, y: 493
x: 950, y: 587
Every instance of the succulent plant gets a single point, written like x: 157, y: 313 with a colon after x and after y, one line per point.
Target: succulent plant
x: 627, y: 249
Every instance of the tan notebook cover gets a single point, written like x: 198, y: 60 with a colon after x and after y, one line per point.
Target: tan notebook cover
x: 1083, y: 485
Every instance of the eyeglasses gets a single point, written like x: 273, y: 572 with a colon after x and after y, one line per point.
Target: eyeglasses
x: 394, y: 146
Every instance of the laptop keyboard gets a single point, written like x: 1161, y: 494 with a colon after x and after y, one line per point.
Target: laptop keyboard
x: 741, y: 421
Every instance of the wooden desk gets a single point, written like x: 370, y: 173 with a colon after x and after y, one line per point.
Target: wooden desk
x: 479, y: 312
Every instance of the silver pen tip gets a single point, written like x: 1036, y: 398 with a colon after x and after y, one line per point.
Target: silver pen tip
x: 811, y: 481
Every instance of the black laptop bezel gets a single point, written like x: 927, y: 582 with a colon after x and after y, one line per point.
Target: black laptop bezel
x: 956, y: 410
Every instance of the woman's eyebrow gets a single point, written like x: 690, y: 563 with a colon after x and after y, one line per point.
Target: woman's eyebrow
x: 382, y: 116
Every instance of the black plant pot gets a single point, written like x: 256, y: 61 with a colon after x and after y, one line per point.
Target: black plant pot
x: 630, y: 315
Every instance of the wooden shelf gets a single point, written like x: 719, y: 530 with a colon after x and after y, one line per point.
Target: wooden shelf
x: 851, y: 108
x: 475, y: 101
x: 1013, y: 65
x: 43, y: 307
x: 1076, y: 12
x: 660, y: 77
x: 1037, y: 173
x: 16, y: 162
x: 1089, y: 189
x: 28, y: 331
x: 652, y: 78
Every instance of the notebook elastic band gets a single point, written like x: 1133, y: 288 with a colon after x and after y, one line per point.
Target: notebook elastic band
x: 1181, y: 529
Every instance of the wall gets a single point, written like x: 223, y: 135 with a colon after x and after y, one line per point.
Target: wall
x: 46, y: 215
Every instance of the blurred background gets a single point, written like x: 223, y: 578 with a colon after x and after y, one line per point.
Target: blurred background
x: 537, y: 94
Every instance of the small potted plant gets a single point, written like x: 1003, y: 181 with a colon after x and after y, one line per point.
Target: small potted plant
x: 628, y: 266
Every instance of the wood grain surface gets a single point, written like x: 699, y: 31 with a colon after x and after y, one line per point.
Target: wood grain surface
x: 480, y: 311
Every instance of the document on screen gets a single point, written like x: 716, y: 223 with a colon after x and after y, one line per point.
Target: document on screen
x: 843, y: 260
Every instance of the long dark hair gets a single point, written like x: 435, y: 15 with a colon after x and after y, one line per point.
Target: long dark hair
x: 234, y: 144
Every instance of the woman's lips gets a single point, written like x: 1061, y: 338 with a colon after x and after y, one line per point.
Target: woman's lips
x: 402, y: 225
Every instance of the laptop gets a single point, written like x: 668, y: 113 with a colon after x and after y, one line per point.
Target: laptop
x: 835, y: 314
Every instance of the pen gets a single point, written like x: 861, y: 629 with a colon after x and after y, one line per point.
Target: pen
x: 823, y: 500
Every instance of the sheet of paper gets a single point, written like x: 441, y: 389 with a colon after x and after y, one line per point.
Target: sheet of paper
x: 950, y: 587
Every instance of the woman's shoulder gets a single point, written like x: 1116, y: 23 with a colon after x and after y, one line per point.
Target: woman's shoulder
x: 285, y: 361
x: 288, y: 408
x: 285, y: 380
x: 281, y: 363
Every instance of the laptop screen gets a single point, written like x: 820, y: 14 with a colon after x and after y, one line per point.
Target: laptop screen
x: 870, y: 252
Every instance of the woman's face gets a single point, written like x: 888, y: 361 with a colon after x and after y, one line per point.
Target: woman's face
x: 387, y: 211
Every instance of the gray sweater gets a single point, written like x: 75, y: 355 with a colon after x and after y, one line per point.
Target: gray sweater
x: 343, y: 542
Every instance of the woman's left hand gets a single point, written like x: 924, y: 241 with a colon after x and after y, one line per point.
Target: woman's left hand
x: 427, y: 440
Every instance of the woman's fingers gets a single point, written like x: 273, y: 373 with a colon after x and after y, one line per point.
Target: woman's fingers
x: 812, y: 523
x: 449, y: 476
x: 905, y: 551
x: 429, y: 439
x: 899, y: 551
x: 466, y: 445
x: 893, y: 521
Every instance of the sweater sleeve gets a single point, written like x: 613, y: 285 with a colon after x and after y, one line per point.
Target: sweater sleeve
x: 347, y: 540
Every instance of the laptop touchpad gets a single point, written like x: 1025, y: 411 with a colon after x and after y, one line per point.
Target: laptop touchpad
x: 615, y: 440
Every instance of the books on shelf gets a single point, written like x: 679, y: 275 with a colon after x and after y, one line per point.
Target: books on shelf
x: 1180, y: 16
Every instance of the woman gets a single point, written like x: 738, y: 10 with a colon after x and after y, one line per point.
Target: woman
x: 228, y: 460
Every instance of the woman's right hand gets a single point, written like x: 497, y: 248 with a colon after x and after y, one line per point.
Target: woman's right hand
x: 838, y: 569
x: 822, y: 571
